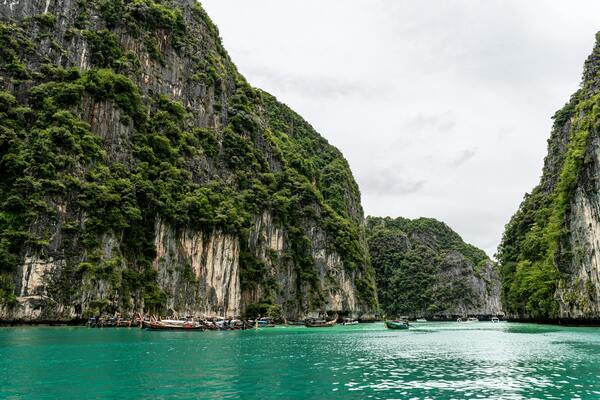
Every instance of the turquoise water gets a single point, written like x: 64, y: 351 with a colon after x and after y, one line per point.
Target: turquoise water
x: 433, y: 360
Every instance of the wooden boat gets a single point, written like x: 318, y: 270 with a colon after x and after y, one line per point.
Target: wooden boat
x: 319, y: 323
x: 164, y: 326
x: 173, y: 324
x: 127, y: 323
x: 396, y: 324
x: 110, y: 322
x: 232, y: 325
x: 237, y: 325
x: 211, y: 326
x: 265, y: 322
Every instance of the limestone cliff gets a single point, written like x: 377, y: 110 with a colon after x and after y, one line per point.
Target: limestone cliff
x: 550, y: 249
x: 424, y: 269
x: 141, y: 172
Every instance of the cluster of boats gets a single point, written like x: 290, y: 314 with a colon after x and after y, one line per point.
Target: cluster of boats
x: 221, y: 323
x: 113, y: 322
x: 235, y: 324
x: 191, y: 325
x: 218, y: 323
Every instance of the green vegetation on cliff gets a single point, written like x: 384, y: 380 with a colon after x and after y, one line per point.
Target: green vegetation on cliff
x: 535, y: 252
x: 60, y: 169
x: 422, y: 267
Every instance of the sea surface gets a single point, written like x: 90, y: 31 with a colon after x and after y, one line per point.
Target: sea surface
x: 430, y: 361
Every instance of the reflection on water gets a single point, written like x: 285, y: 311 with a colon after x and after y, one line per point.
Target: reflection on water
x: 432, y: 360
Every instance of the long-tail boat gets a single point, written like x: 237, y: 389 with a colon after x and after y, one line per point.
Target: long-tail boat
x: 396, y: 324
x: 173, y: 325
x: 265, y: 322
x: 186, y: 326
x: 319, y: 323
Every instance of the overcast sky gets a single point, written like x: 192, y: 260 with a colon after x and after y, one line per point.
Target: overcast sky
x: 442, y: 108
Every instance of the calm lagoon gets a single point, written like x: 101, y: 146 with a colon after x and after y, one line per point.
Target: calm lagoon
x: 432, y: 360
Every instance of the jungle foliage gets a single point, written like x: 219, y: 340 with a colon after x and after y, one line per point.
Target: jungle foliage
x: 58, y: 172
x: 535, y: 250
x: 408, y: 257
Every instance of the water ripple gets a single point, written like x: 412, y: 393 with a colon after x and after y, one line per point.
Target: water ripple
x: 433, y: 361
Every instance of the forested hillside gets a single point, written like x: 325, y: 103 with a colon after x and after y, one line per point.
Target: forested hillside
x: 424, y: 268
x: 141, y: 172
x: 550, y: 249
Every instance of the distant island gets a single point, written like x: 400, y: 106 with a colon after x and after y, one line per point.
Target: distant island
x: 425, y: 270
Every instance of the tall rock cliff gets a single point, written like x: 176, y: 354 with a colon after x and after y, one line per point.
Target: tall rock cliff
x: 140, y: 171
x: 550, y: 252
x: 424, y: 268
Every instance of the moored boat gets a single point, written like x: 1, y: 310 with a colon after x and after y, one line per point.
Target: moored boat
x: 320, y: 323
x: 349, y: 321
x: 173, y: 324
x: 164, y: 326
x: 126, y: 323
x: 396, y: 324
x: 266, y: 322
x: 421, y: 320
x: 111, y: 322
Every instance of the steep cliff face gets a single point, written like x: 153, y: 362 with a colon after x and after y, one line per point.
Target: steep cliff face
x: 549, y: 252
x: 140, y: 172
x: 424, y: 268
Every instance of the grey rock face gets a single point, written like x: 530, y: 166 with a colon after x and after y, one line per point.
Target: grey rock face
x: 198, y: 269
x: 579, y: 293
x: 424, y: 269
x: 481, y: 294
x: 557, y: 228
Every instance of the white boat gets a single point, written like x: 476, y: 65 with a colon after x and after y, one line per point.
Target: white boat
x: 472, y: 319
x: 173, y: 321
x: 421, y: 320
x: 495, y: 320
x: 172, y: 324
x: 265, y: 322
x: 459, y: 320
x: 349, y: 321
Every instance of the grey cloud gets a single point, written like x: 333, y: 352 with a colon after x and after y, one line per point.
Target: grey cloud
x: 423, y: 126
x: 316, y: 86
x: 410, y: 84
x: 389, y: 182
x: 431, y: 122
x: 503, y: 133
x: 465, y: 156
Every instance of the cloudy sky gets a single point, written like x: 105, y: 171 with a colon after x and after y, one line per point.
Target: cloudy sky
x: 442, y: 108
